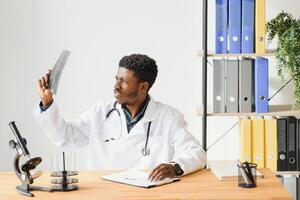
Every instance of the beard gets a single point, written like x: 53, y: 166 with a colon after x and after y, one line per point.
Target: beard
x: 126, y: 99
x: 133, y: 94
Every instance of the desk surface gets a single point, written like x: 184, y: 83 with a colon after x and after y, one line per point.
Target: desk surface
x: 199, y: 185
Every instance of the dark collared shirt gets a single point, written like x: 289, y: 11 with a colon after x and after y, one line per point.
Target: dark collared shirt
x: 131, y: 122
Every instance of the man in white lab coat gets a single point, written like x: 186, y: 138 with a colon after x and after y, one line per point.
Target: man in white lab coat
x: 131, y: 131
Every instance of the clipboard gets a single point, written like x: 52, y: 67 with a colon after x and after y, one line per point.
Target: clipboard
x: 136, y: 178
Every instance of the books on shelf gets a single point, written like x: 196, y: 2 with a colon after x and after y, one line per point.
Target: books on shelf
x: 240, y: 26
x: 219, y: 85
x: 221, y: 26
x: 245, y: 139
x: 247, y: 38
x: 274, y: 143
x: 236, y: 81
x: 288, y: 145
x: 271, y: 142
x: 261, y: 85
x: 257, y: 141
x: 234, y: 26
x: 231, y: 85
x: 260, y: 26
x: 246, y: 85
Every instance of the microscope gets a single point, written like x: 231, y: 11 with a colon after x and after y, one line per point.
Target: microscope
x: 23, y: 171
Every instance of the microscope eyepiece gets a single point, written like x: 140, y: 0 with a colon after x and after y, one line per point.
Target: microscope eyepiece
x: 18, y: 139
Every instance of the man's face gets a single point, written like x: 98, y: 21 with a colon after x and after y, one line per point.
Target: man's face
x: 127, y: 88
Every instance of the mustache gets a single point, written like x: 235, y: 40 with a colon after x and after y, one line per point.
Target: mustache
x: 116, y: 90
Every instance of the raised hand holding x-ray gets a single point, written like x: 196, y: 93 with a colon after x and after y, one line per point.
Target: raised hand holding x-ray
x: 57, y: 70
x: 48, y: 84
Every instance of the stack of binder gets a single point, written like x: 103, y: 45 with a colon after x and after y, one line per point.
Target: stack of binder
x: 271, y: 142
x: 288, y: 144
x: 221, y: 26
x: 239, y: 25
x: 240, y: 85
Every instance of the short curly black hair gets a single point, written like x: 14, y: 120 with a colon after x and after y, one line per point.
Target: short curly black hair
x: 144, y: 67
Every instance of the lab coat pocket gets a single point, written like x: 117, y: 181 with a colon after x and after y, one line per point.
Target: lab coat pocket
x: 156, y: 145
x: 154, y: 140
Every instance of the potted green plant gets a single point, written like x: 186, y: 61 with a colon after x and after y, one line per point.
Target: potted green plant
x: 287, y: 30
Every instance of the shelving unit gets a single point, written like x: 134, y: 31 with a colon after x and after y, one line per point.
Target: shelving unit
x: 276, y: 110
x: 204, y: 111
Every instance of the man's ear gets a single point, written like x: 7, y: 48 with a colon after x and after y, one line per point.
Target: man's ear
x: 145, y: 86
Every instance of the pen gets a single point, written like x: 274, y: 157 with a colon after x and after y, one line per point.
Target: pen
x: 250, y: 175
x: 244, y: 175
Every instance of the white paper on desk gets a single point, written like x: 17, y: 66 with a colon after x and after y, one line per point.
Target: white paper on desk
x: 227, y: 170
x: 136, y: 178
x: 57, y: 70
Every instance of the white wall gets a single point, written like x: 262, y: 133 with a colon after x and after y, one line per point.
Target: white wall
x: 99, y: 33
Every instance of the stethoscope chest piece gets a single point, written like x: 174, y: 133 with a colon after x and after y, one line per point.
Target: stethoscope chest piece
x: 146, y: 152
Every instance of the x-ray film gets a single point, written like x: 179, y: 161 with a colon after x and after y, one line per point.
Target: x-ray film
x: 57, y: 70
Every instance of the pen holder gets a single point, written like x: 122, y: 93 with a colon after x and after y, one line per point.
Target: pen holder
x: 247, y: 175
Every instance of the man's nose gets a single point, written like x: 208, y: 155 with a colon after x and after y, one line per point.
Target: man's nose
x: 117, y: 84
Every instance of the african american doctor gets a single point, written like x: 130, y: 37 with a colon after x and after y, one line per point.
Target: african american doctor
x: 131, y: 131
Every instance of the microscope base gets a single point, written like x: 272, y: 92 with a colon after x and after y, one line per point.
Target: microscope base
x: 25, y: 189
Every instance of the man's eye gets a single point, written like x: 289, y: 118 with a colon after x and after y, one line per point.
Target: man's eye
x: 120, y: 80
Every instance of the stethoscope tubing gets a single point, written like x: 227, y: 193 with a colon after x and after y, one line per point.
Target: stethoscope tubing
x: 145, y: 150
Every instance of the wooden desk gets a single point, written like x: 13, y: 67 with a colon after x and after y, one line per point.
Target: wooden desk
x: 200, y: 185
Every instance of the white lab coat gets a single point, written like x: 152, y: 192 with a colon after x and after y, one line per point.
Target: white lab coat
x: 168, y: 137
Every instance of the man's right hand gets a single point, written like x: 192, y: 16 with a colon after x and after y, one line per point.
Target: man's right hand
x: 44, y: 90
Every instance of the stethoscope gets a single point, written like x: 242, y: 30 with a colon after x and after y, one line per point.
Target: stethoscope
x: 145, y: 150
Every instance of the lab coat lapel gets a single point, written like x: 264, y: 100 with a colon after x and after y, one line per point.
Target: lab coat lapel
x: 142, y: 126
x: 150, y: 111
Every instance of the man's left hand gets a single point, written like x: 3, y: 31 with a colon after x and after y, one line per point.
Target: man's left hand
x: 161, y: 172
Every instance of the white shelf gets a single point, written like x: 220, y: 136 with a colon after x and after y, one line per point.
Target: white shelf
x: 289, y: 173
x: 274, y: 110
x: 268, y: 52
